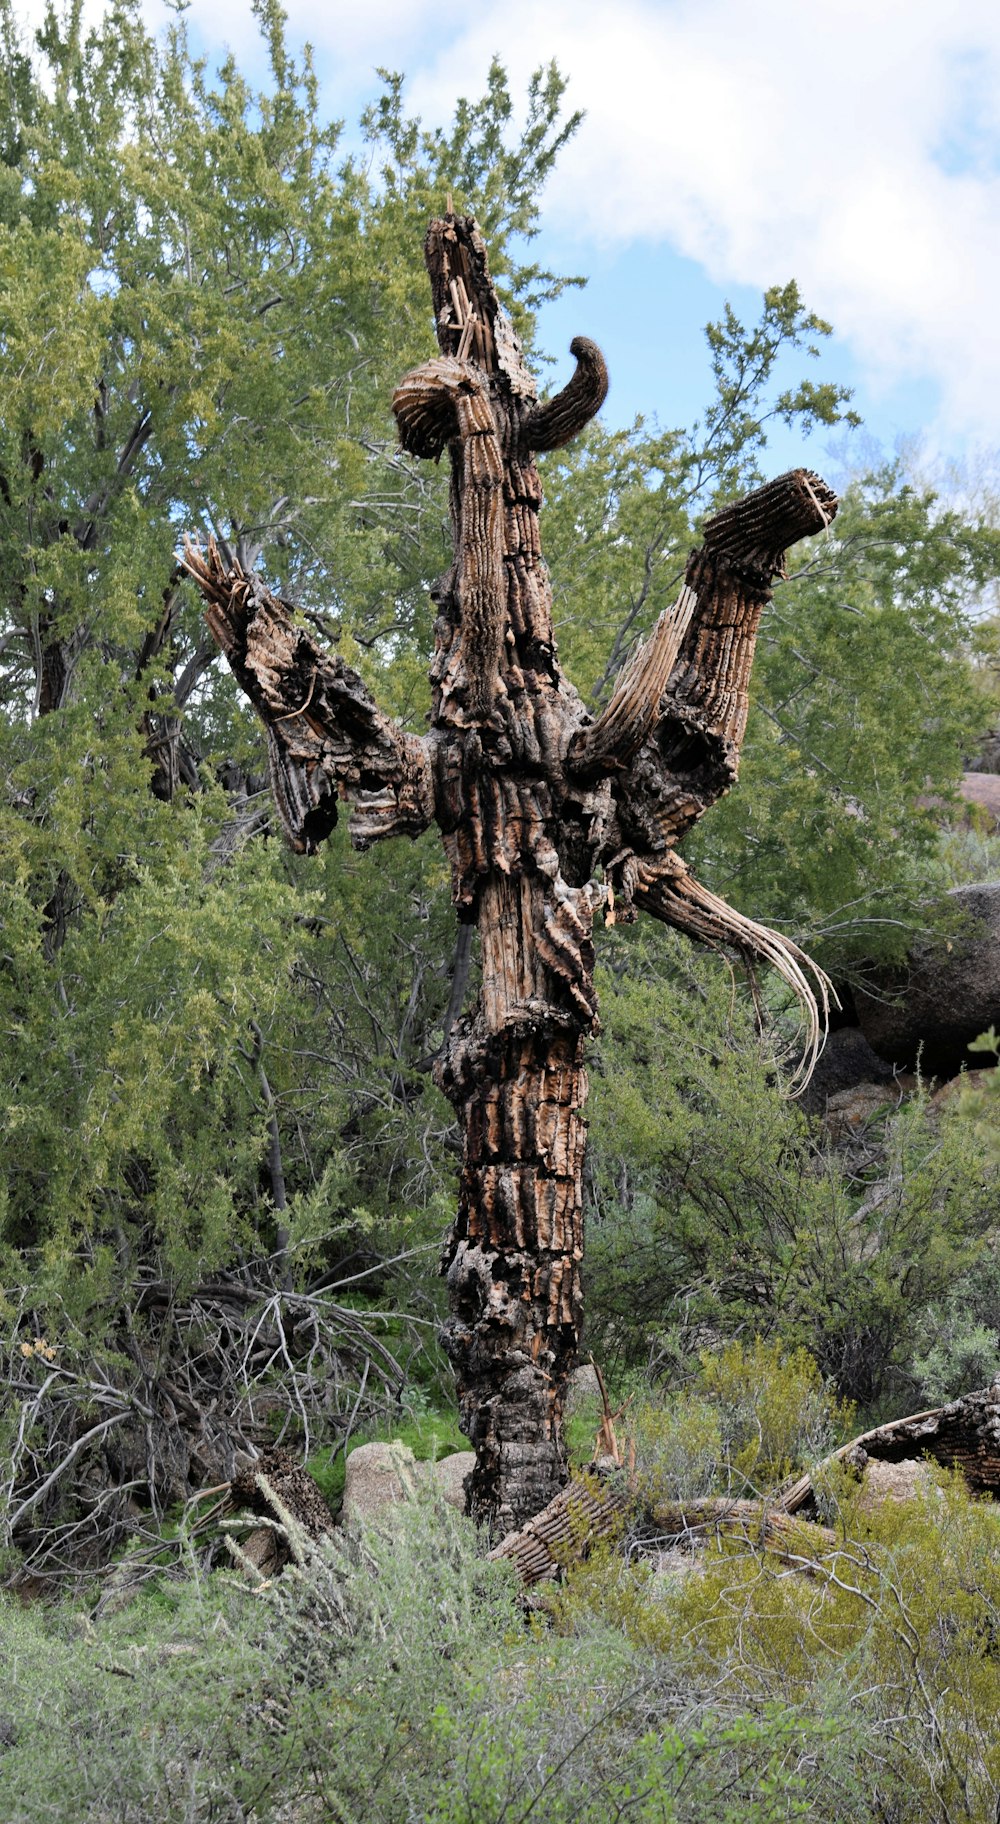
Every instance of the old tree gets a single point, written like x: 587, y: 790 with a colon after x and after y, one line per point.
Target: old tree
x: 547, y: 815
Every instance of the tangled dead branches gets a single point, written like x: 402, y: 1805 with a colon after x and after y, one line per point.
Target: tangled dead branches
x: 103, y: 1443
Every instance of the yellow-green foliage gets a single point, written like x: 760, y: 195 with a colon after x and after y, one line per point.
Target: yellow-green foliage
x: 904, y: 1611
x: 775, y: 1409
x: 893, y: 1627
x: 398, y: 1680
x: 755, y: 1413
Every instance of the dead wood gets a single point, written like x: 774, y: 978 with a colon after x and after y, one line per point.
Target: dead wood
x: 547, y: 818
x: 560, y: 419
x: 276, y: 1480
x: 964, y: 1435
x: 591, y: 1510
x: 181, y: 1407
x: 326, y: 735
x: 621, y: 729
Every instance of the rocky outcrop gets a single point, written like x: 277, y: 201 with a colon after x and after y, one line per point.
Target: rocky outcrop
x: 947, y: 995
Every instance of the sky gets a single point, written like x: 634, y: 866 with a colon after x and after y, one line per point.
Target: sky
x: 729, y: 145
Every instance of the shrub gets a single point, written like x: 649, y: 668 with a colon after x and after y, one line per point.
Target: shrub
x: 754, y: 1413
x: 716, y: 1211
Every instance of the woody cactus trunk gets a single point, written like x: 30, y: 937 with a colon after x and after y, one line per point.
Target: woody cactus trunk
x: 547, y: 815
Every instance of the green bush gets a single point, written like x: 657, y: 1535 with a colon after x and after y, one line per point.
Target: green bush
x: 879, y: 1654
x: 755, y: 1413
x: 716, y: 1211
x: 391, y: 1676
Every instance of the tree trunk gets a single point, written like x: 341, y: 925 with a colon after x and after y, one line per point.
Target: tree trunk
x: 546, y: 817
x: 514, y: 1253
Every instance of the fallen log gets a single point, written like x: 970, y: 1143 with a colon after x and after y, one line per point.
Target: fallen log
x: 964, y: 1435
x: 591, y: 1510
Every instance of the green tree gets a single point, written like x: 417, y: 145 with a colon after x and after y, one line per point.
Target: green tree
x: 211, y: 1050
x: 204, y: 301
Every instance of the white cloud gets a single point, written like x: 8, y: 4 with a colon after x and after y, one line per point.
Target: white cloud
x: 854, y: 148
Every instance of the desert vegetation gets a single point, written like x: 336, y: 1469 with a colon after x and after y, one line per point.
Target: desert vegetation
x: 227, y: 1169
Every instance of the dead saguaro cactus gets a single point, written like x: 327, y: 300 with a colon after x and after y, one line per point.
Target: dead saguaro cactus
x: 547, y: 817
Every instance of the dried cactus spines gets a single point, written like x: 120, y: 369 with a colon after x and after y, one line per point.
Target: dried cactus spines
x: 670, y: 891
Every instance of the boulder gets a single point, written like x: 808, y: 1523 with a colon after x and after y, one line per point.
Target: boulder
x: 377, y: 1476
x: 449, y: 1474
x: 951, y: 1092
x: 583, y: 1389
x: 849, y: 1111
x: 982, y: 790
x: 906, y: 1480
x: 845, y: 1062
x: 945, y: 997
x: 851, y: 1093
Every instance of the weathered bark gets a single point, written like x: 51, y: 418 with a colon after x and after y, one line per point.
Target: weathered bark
x: 325, y: 735
x: 546, y: 817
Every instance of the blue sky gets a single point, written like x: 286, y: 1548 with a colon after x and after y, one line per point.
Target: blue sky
x: 729, y: 145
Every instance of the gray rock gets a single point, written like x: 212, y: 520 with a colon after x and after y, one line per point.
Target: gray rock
x: 449, y: 1475
x: 907, y: 1480
x: 582, y: 1389
x: 845, y: 1061
x: 944, y: 997
x: 377, y: 1477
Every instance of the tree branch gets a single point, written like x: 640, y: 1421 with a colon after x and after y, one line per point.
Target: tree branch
x: 634, y: 709
x: 31, y: 1502
x: 692, y: 755
x: 326, y: 735
x: 557, y: 421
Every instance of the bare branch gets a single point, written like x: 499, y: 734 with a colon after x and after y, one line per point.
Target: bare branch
x: 557, y: 421
x: 634, y: 709
x: 326, y: 735
x: 38, y: 1494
